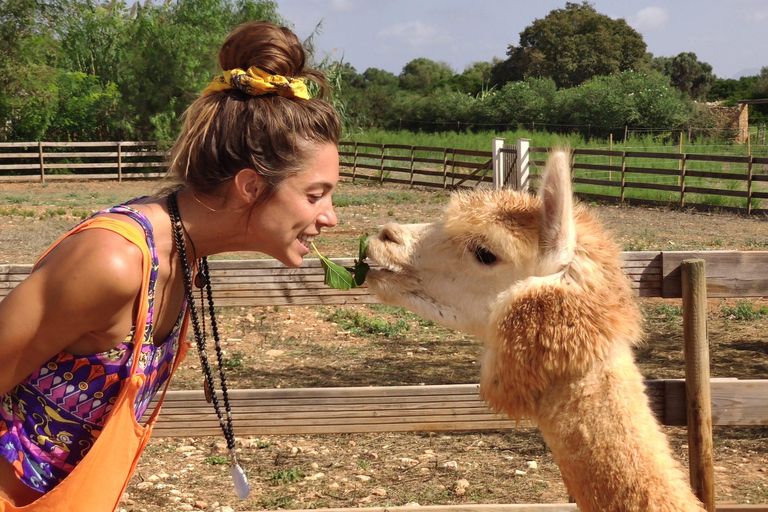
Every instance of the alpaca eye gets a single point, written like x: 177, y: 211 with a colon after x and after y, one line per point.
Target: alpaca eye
x: 484, y: 256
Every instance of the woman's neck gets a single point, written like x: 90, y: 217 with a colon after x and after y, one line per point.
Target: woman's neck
x: 210, y: 226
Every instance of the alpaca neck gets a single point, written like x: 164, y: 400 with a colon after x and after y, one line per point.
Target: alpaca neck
x: 610, y: 449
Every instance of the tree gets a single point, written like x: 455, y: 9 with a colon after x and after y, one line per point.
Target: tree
x: 27, y: 48
x: 686, y: 73
x: 474, y: 79
x: 424, y: 74
x: 571, y: 45
x: 172, y: 57
x: 379, y: 77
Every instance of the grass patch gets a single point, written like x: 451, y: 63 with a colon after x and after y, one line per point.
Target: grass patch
x: 16, y: 212
x: 234, y: 361
x: 743, y: 310
x: 286, y: 476
x: 363, y: 325
x: 216, y: 461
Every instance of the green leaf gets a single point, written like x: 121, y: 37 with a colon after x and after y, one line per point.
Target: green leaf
x: 360, y: 270
x: 363, y: 248
x: 345, y: 278
x: 336, y: 276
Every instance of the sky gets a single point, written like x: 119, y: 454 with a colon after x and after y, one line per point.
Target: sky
x: 730, y: 35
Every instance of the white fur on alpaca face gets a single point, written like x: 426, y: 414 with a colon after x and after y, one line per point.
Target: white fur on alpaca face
x: 454, y: 272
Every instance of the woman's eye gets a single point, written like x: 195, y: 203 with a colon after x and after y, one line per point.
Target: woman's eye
x: 484, y: 256
x: 315, y: 198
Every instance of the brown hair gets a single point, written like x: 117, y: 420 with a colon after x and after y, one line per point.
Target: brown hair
x: 227, y: 131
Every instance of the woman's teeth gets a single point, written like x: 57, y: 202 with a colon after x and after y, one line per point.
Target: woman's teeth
x: 306, y: 240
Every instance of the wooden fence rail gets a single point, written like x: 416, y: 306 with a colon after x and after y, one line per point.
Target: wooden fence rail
x: 42, y: 161
x: 267, y: 282
x: 729, y: 183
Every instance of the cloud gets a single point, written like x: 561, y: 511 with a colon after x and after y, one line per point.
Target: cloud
x: 342, y: 5
x: 758, y: 17
x: 416, y: 34
x: 649, y: 19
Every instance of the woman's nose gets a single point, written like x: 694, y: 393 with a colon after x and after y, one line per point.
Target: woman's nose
x: 328, y: 218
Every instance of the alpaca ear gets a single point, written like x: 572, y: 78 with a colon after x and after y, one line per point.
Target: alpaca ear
x: 557, y: 238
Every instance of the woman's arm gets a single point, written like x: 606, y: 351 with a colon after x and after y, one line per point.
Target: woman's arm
x: 83, y: 294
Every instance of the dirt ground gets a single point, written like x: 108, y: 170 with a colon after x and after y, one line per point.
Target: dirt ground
x: 379, y: 345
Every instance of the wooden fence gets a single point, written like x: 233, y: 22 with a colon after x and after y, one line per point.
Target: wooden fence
x: 43, y: 161
x: 728, y: 183
x: 267, y: 282
x: 415, y: 165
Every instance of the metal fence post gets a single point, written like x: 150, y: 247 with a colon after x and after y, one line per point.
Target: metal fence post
x: 498, y: 172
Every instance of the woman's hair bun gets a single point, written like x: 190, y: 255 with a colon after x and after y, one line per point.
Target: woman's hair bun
x: 274, y: 49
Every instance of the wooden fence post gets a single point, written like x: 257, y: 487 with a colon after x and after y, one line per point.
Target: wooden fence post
x: 120, y: 162
x: 749, y: 185
x: 381, y: 169
x: 445, y: 166
x: 697, y: 392
x: 610, y: 158
x: 42, y: 163
x: 453, y: 168
x: 354, y: 164
x: 412, y: 156
x: 683, y: 173
x: 623, y: 174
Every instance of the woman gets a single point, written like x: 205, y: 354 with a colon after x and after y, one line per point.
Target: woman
x: 93, y: 333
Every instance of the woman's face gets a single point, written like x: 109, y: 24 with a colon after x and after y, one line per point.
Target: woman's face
x: 299, y: 209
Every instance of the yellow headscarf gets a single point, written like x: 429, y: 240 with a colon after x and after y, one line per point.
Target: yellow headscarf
x: 257, y: 82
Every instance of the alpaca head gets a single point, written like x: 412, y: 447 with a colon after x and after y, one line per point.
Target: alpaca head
x: 534, y: 277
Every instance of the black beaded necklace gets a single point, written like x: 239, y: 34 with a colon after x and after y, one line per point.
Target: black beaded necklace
x: 203, y: 279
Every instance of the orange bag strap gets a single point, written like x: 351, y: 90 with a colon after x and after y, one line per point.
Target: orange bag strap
x: 135, y: 235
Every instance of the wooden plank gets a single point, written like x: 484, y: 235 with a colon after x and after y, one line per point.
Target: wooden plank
x: 597, y: 152
x: 454, y: 407
x: 718, y: 175
x: 647, y: 154
x: 468, y: 152
x: 96, y: 165
x: 533, y: 507
x: 719, y: 158
x: 601, y: 183
x: 18, y: 155
x: 99, y: 144
x: 734, y: 402
x: 716, y: 191
x: 729, y: 273
x: 19, y: 167
x: 81, y: 154
x: 651, y: 170
x: 597, y: 167
x: 264, y: 282
x: 652, y: 186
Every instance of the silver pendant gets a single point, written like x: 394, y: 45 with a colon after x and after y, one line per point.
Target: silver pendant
x: 241, y: 482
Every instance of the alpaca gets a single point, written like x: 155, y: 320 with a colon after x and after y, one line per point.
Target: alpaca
x: 538, y: 280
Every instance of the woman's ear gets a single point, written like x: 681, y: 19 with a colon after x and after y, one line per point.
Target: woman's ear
x: 248, y: 186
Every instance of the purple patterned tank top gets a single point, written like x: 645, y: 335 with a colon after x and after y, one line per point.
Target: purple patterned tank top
x: 49, y: 421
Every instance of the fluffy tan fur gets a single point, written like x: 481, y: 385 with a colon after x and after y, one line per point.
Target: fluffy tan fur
x: 541, y: 283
